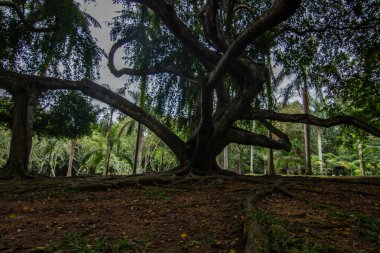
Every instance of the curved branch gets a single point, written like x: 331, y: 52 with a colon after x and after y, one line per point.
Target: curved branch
x: 282, y: 10
x: 16, y: 82
x: 165, y: 11
x: 311, y: 120
x: 210, y: 22
x: 244, y: 7
x: 241, y: 136
x: 25, y: 22
x: 142, y: 72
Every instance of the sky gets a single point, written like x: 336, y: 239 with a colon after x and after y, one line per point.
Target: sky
x: 104, y: 11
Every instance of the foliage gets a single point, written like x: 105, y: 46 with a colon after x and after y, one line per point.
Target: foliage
x: 67, y: 49
x: 70, y: 114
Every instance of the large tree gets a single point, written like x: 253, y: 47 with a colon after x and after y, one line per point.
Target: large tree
x: 217, y: 49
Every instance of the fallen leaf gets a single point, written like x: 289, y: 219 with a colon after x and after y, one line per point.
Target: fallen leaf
x: 218, y: 242
x: 184, y: 236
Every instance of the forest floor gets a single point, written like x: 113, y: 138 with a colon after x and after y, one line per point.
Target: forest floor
x: 281, y: 214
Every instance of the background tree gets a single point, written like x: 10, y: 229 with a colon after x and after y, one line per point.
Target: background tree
x: 71, y: 115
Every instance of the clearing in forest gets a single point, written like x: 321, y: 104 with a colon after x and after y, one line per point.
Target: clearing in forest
x: 276, y: 214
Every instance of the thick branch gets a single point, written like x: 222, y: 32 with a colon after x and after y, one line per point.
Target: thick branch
x: 241, y: 136
x: 210, y: 22
x: 282, y: 10
x: 311, y: 120
x: 143, y: 72
x: 15, y: 82
x: 25, y: 22
x: 240, y: 71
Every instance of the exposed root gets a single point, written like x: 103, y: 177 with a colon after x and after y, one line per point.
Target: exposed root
x: 256, y: 233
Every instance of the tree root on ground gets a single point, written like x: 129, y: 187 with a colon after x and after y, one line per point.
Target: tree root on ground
x: 256, y: 232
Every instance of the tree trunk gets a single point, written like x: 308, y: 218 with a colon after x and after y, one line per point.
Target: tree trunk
x: 270, y: 171
x: 109, y: 143
x: 108, y: 156
x: 71, y: 157
x: 252, y: 150
x: 305, y: 100
x: 287, y: 167
x: 240, y: 161
x: 361, y: 162
x: 137, y: 160
x: 320, y: 151
x: 299, y: 172
x: 22, y: 126
x: 225, y: 158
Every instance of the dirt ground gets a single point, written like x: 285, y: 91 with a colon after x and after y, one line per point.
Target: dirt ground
x: 77, y: 215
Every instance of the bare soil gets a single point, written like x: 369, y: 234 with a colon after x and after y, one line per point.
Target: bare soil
x: 85, y: 214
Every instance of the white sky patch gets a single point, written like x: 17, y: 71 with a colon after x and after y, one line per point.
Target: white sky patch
x: 103, y: 11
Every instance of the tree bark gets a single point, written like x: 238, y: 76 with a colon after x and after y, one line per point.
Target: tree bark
x: 71, y: 157
x: 21, y: 142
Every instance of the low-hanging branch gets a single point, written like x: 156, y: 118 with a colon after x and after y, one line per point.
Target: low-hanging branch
x: 244, y: 137
x: 16, y: 82
x: 311, y: 120
x: 29, y: 25
x: 158, y: 69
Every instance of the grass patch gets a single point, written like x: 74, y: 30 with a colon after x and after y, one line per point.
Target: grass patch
x: 75, y: 243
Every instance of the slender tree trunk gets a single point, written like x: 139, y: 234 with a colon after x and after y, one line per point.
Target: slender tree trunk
x: 305, y: 100
x: 225, y: 158
x: 51, y: 169
x: 108, y: 157
x: 71, y: 157
x: 270, y: 170
x: 240, y: 161
x: 287, y: 168
x: 299, y: 172
x: 137, y: 160
x: 252, y: 150
x: 361, y: 162
x: 109, y: 143
x: 21, y: 141
x: 320, y: 151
